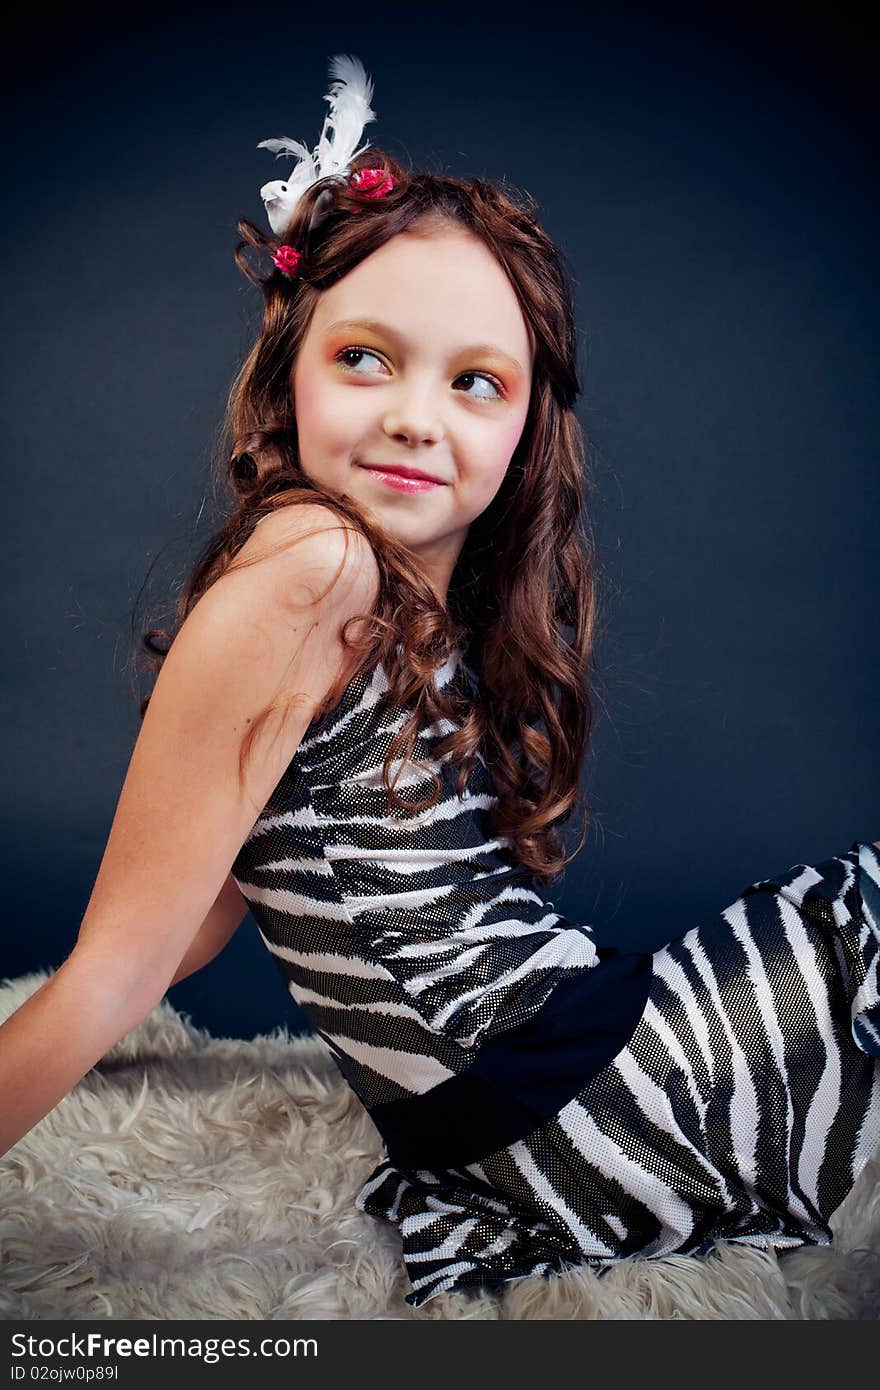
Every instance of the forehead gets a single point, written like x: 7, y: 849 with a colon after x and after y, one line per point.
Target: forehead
x: 444, y: 286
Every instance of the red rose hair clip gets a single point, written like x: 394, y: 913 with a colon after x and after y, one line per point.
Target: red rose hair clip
x: 373, y: 183
x: 287, y: 259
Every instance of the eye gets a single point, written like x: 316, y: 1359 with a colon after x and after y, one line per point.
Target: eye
x: 353, y: 352
x: 472, y: 376
x: 483, y: 376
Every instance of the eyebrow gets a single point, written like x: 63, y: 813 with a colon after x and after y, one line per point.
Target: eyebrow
x: 476, y: 349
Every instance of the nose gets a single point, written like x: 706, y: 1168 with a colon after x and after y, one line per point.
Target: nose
x: 413, y: 417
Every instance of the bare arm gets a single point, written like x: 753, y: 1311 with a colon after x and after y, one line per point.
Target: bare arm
x: 257, y: 634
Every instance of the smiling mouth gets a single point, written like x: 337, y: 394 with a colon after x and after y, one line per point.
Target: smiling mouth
x: 399, y: 471
x: 403, y: 482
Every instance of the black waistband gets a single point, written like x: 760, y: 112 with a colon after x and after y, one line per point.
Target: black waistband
x: 522, y: 1077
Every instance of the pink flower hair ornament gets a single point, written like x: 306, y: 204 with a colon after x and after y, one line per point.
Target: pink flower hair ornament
x: 372, y: 183
x: 287, y: 259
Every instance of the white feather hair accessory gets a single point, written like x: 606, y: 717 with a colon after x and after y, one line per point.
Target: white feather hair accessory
x: 349, y: 97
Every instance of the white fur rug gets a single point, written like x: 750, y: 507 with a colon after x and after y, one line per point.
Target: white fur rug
x: 193, y: 1177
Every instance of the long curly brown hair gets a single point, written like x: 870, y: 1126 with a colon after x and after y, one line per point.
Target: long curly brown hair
x: 526, y: 573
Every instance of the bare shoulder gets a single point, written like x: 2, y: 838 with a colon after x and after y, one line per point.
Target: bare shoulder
x: 305, y: 553
x: 288, y: 595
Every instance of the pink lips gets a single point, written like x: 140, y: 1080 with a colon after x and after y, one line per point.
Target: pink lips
x: 401, y: 481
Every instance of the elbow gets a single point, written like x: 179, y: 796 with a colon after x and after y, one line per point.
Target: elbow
x: 129, y: 994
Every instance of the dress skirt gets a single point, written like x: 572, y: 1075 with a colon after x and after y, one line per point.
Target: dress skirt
x: 742, y: 1107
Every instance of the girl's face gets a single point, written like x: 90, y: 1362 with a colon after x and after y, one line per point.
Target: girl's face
x: 419, y: 357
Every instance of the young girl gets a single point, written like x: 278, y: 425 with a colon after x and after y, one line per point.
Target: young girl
x: 373, y: 662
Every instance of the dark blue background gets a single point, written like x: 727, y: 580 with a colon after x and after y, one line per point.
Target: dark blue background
x: 709, y: 176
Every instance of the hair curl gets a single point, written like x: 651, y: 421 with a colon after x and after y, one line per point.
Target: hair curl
x: 527, y: 569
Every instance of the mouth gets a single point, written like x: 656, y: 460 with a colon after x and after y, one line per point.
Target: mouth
x: 403, y: 478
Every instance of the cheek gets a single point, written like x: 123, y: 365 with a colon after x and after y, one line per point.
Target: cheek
x: 324, y: 414
x: 496, y: 456
x: 510, y: 437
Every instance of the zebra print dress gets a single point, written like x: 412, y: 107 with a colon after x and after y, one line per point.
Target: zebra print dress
x: 545, y: 1102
